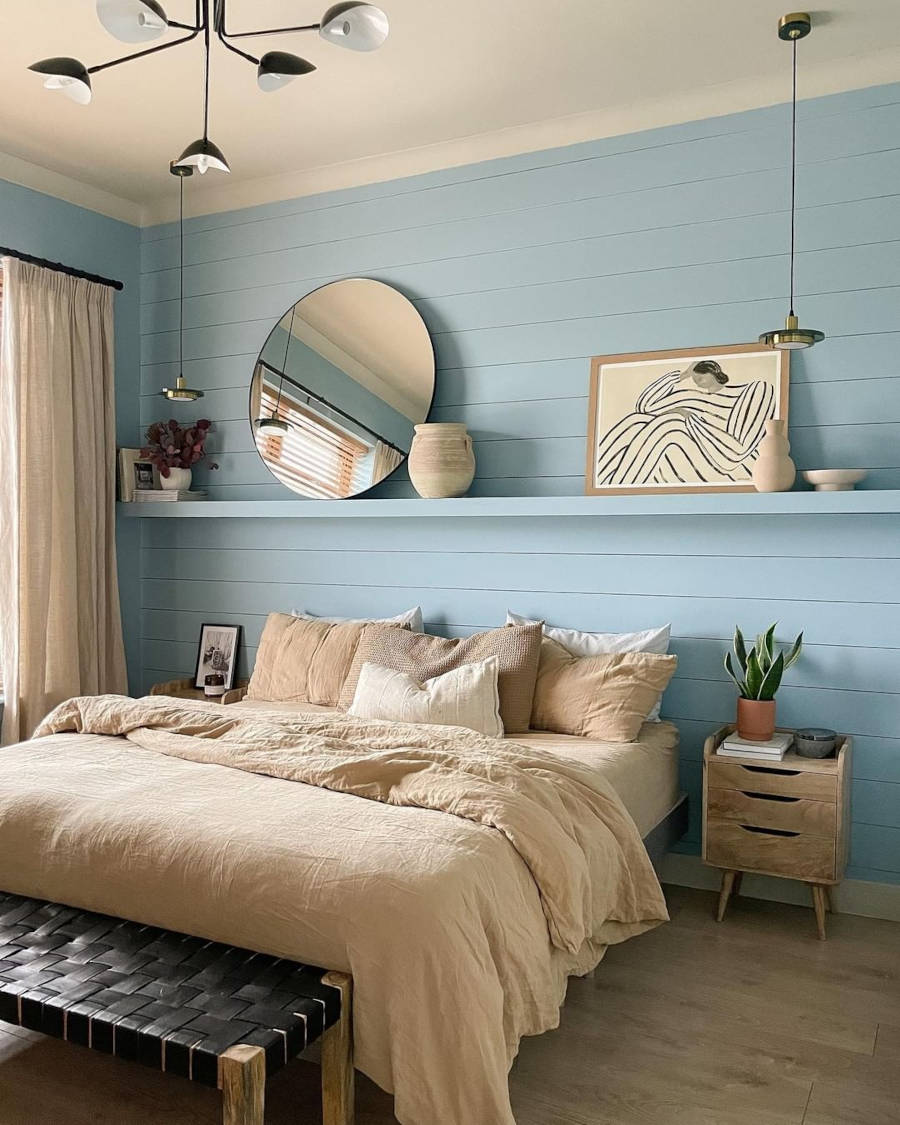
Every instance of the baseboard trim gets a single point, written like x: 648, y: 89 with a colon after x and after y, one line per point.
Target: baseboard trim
x: 853, y: 896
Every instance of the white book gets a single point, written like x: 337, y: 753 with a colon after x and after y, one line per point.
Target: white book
x: 767, y: 756
x: 775, y: 748
x: 167, y: 495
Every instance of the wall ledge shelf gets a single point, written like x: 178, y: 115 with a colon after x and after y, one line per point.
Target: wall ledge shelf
x: 863, y: 502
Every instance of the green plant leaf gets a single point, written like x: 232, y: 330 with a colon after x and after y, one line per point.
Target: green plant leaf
x: 730, y: 670
x: 794, y: 653
x: 754, y: 676
x: 772, y: 680
x: 740, y: 649
x: 762, y: 654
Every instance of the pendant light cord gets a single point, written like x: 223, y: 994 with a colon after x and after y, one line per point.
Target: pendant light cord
x: 793, y: 164
x: 206, y: 72
x: 181, y: 276
x: 287, y: 348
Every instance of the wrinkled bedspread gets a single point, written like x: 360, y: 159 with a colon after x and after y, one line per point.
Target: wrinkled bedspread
x: 472, y: 877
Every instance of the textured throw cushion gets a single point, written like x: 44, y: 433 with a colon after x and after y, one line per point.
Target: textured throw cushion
x: 423, y: 657
x: 303, y: 660
x: 605, y: 697
x: 409, y: 619
x: 580, y: 643
x: 466, y: 696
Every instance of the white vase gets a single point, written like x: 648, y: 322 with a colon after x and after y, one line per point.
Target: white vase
x: 441, y: 462
x: 177, y: 478
x: 773, y: 469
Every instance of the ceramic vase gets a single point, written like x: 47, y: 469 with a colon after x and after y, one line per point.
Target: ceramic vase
x: 177, y: 478
x: 773, y: 469
x: 756, y: 719
x: 441, y: 461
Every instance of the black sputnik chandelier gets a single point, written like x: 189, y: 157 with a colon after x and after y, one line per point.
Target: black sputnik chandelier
x: 356, y: 26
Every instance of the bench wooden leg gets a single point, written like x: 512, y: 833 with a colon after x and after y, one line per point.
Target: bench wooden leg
x: 242, y: 1080
x: 338, y: 1085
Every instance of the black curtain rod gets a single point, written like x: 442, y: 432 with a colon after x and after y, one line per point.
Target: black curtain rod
x: 330, y: 405
x: 6, y: 252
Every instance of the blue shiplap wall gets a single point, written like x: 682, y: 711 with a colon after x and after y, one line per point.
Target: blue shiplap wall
x: 523, y: 268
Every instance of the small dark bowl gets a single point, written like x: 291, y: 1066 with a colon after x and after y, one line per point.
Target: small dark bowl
x: 815, y: 742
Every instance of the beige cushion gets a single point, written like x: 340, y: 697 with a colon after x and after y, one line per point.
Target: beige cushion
x: 423, y: 657
x: 466, y: 696
x: 303, y: 660
x: 606, y: 697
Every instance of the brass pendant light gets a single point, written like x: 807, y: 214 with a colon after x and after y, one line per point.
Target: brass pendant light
x: 275, y: 423
x: 794, y: 26
x: 181, y: 392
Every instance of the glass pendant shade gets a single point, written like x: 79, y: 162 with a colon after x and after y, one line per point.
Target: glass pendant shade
x: 203, y: 155
x: 67, y: 76
x: 272, y: 425
x: 358, y: 27
x: 180, y: 392
x: 792, y: 337
x: 132, y: 21
x: 277, y: 68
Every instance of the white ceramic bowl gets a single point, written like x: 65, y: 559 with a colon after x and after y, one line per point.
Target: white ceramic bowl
x: 834, y: 480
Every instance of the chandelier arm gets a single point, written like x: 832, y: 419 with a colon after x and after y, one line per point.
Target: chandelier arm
x: 236, y: 50
x: 149, y: 51
x: 224, y: 33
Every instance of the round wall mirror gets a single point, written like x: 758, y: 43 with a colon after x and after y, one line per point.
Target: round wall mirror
x: 343, y: 378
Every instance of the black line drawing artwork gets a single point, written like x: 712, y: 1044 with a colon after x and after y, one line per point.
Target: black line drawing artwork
x: 688, y: 426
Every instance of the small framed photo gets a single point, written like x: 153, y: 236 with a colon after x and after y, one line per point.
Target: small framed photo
x: 217, y: 654
x: 134, y: 474
x: 143, y: 476
x: 682, y: 421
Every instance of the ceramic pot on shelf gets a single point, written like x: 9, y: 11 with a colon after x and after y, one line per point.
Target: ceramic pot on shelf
x: 177, y: 478
x: 773, y: 469
x: 441, y: 462
x: 756, y: 719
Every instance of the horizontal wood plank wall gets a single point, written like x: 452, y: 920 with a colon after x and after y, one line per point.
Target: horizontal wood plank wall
x: 523, y: 268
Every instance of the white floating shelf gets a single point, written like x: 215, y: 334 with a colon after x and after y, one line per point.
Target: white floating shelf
x: 863, y: 502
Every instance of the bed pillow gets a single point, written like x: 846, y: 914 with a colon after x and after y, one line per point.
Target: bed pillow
x: 605, y: 697
x: 595, y: 644
x: 409, y: 619
x: 423, y: 657
x: 466, y: 696
x: 303, y: 659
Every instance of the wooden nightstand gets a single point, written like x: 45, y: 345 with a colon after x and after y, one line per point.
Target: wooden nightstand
x: 184, y: 689
x: 790, y: 819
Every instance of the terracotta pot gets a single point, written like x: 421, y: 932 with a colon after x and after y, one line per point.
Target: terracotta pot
x: 773, y: 469
x: 756, y: 719
x: 177, y: 478
x: 441, y: 462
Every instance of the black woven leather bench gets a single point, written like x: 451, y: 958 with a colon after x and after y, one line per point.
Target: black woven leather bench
x: 212, y: 1013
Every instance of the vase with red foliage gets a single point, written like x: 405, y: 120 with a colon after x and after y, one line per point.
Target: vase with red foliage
x: 175, y: 449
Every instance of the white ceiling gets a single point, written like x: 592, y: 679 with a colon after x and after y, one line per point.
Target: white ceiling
x: 455, y: 82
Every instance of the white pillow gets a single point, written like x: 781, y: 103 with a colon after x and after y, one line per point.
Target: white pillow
x: 466, y: 696
x: 596, y: 644
x: 411, y: 618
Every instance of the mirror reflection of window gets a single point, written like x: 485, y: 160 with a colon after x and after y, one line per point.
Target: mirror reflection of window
x: 347, y: 372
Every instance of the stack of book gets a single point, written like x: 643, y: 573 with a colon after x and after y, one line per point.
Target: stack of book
x: 156, y: 495
x: 772, y: 751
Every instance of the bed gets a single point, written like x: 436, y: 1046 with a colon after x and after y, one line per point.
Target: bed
x: 442, y: 924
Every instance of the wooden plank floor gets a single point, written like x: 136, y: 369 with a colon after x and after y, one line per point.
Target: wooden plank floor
x: 753, y: 1022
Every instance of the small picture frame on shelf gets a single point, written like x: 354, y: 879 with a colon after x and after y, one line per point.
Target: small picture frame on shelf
x: 217, y: 654
x: 136, y: 474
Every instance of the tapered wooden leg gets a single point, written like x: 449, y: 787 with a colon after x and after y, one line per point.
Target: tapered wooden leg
x: 829, y: 905
x: 818, y: 896
x: 242, y: 1080
x: 725, y: 893
x: 338, y: 1085
x: 738, y: 879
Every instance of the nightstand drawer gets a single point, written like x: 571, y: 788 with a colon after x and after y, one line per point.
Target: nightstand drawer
x: 742, y: 847
x: 772, y: 779
x: 768, y: 810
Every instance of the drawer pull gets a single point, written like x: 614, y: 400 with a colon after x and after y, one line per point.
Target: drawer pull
x: 768, y: 831
x: 769, y: 797
x: 768, y: 769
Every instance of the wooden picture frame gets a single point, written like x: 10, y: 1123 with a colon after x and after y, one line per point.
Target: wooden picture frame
x: 217, y: 651
x: 653, y: 442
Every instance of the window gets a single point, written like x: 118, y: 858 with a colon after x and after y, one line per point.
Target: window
x: 314, y: 456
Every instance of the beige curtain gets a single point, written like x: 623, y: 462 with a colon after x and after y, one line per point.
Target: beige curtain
x: 60, y: 626
x: 386, y: 459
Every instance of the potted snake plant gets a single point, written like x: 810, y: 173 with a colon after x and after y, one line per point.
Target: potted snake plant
x: 757, y: 674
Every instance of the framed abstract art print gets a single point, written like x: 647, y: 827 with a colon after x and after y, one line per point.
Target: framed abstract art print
x: 682, y: 421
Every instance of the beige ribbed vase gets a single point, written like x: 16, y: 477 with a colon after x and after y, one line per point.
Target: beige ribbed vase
x: 441, y: 462
x: 773, y: 469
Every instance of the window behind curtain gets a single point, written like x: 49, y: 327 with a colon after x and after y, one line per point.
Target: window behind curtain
x: 315, y: 456
x: 1, y: 337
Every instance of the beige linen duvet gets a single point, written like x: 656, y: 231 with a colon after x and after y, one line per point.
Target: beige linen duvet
x: 250, y: 828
